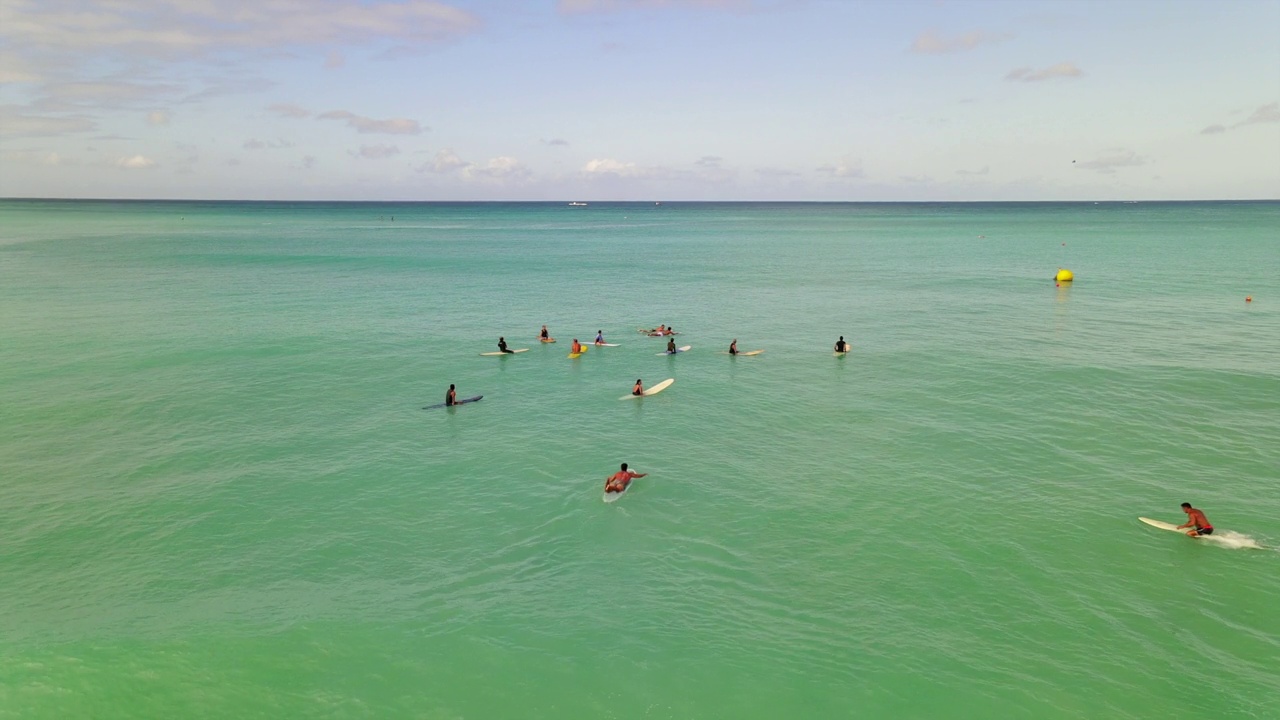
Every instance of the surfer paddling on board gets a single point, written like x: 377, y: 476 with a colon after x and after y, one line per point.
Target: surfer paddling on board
x: 841, y: 345
x: 1197, y: 518
x: 451, y: 397
x: 638, y: 389
x: 733, y: 347
x: 619, y: 481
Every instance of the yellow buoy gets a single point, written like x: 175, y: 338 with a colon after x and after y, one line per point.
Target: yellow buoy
x: 1064, y: 275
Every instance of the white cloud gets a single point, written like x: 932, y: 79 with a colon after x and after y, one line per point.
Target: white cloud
x: 504, y: 168
x: 1061, y: 70
x: 14, y: 123
x: 377, y: 152
x: 845, y: 167
x: 446, y: 161
x: 97, y: 94
x: 158, y: 117
x: 169, y: 28
x: 289, y: 110
x: 394, y: 126
x: 609, y: 166
x: 931, y: 43
x: 256, y: 144
x: 1117, y: 158
x: 1265, y: 114
x: 574, y: 7
x: 135, y: 162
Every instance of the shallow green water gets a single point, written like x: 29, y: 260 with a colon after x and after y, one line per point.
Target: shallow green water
x: 219, y: 496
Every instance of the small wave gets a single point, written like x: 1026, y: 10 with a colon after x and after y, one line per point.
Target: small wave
x: 1233, y: 540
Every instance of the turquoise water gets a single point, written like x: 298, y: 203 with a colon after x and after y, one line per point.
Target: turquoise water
x: 220, y: 497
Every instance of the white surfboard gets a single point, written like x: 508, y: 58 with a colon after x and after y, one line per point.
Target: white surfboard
x: 749, y: 353
x: 613, y: 497
x: 499, y: 352
x: 606, y: 344
x: 684, y: 348
x: 1161, y: 524
x: 651, y: 391
x: 842, y: 353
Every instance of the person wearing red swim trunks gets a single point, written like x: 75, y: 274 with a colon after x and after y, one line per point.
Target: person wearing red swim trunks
x: 1196, y: 518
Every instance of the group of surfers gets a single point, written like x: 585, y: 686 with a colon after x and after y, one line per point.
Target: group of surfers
x: 1197, y: 522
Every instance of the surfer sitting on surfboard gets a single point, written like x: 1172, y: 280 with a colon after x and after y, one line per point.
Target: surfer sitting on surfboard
x: 638, y: 389
x: 1197, y: 518
x: 451, y: 397
x: 599, y: 337
x: 502, y: 345
x: 576, y: 347
x: 544, y: 335
x: 733, y: 347
x: 619, y: 481
x: 671, y: 346
x: 841, y: 345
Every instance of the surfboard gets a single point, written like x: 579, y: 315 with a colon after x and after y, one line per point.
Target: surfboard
x: 460, y: 402
x: 606, y: 344
x: 547, y: 340
x: 750, y: 353
x: 842, y: 353
x: 651, y: 391
x: 681, y: 349
x: 1162, y: 524
x: 613, y: 497
x: 499, y: 352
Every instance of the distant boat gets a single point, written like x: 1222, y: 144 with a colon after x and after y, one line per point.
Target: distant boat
x: 578, y: 204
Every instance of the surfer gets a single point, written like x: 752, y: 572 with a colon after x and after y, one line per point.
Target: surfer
x: 841, y: 345
x: 576, y: 347
x: 658, y: 331
x: 599, y: 337
x: 671, y: 346
x: 502, y: 345
x: 544, y: 336
x: 733, y: 347
x: 1197, y: 518
x: 619, y: 481
x: 451, y: 397
x: 638, y: 389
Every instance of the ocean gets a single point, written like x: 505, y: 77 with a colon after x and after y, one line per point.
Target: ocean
x: 221, y: 497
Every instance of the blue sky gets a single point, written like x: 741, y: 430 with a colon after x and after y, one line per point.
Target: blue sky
x: 640, y: 100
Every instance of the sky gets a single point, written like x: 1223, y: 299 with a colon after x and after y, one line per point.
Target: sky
x: 751, y: 100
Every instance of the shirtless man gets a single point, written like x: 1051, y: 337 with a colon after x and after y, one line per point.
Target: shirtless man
x: 638, y: 389
x: 576, y: 347
x: 671, y: 346
x: 658, y: 331
x: 733, y: 347
x: 1197, y: 518
x: 451, y: 397
x: 619, y: 481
